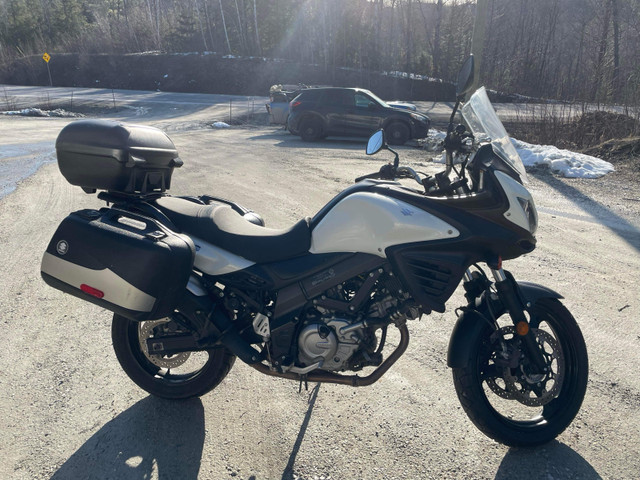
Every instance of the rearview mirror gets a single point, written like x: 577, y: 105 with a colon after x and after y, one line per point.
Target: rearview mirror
x: 375, y: 143
x: 465, y: 77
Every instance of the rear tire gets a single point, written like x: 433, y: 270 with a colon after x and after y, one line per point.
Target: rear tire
x: 198, y: 374
x: 311, y: 129
x: 397, y: 133
x: 486, y: 390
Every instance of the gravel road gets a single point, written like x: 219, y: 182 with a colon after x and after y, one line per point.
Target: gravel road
x: 67, y: 411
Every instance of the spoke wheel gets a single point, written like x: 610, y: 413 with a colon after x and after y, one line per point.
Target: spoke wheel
x: 503, y: 396
x: 178, y: 376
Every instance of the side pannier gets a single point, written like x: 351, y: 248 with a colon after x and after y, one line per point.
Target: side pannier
x: 117, y: 157
x: 124, y: 262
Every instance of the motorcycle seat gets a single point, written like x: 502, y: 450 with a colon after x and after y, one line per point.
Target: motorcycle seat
x: 222, y: 226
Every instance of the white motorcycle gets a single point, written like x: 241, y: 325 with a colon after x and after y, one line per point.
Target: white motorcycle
x: 195, y: 282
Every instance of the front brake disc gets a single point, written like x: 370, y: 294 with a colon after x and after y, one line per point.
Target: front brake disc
x: 535, y: 390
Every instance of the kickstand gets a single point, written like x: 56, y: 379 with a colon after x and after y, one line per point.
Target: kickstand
x: 303, y: 378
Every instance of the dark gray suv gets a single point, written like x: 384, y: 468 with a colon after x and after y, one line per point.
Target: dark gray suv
x: 354, y: 112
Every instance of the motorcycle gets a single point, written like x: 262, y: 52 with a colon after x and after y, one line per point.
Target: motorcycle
x: 195, y: 282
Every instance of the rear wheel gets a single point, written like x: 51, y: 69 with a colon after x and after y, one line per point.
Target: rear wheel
x: 179, y: 376
x: 311, y: 129
x: 512, y: 404
x: 397, y: 133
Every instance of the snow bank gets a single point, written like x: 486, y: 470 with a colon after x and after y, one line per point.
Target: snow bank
x: 569, y: 164
x: 36, y: 112
x: 221, y: 125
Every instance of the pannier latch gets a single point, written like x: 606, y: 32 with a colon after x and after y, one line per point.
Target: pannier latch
x: 156, y: 236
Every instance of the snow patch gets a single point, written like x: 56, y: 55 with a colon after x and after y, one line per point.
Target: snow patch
x: 221, y: 125
x: 565, y: 162
x: 569, y: 164
x: 36, y: 112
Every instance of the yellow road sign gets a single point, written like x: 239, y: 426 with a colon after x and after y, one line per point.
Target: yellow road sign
x: 46, y: 57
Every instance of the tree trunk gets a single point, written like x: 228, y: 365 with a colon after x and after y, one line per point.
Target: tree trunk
x: 255, y: 24
x: 602, y: 50
x: 615, y: 81
x: 224, y: 27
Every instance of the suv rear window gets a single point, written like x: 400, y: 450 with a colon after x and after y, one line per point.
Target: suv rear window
x: 338, y: 97
x: 311, y: 95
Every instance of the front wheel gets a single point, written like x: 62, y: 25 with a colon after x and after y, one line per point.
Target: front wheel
x: 510, y: 403
x: 397, y: 133
x: 179, y: 376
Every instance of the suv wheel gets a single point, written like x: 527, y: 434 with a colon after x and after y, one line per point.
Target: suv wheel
x: 396, y: 133
x: 311, y: 129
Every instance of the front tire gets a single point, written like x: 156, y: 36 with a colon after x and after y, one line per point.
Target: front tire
x: 514, y: 406
x: 193, y: 375
x: 397, y: 133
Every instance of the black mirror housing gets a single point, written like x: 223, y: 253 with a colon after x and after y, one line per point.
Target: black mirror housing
x: 465, y: 77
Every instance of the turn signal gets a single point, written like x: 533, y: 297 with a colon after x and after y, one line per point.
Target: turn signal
x: 522, y: 328
x: 91, y: 291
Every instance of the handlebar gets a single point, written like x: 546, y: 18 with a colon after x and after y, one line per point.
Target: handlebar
x: 389, y: 172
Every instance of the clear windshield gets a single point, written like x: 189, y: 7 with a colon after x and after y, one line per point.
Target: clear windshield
x: 376, y: 98
x: 485, y: 124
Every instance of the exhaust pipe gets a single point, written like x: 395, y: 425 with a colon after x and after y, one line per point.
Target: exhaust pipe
x: 351, y: 380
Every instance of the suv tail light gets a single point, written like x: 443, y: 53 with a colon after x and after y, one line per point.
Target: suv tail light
x: 294, y: 104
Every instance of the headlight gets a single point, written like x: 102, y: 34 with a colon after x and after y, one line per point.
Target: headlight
x: 529, y: 212
x: 418, y: 118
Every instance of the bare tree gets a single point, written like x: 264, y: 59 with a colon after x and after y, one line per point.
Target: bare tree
x: 224, y: 26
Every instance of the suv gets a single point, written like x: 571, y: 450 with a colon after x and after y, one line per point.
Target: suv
x: 320, y: 112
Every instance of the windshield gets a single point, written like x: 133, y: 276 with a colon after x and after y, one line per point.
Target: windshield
x: 483, y: 122
x: 376, y: 98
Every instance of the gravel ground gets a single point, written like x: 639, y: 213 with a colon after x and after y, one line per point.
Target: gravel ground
x: 67, y: 411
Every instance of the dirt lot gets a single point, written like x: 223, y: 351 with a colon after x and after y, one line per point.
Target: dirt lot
x: 67, y: 411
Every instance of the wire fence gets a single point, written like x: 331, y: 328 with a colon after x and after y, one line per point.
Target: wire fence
x: 70, y: 102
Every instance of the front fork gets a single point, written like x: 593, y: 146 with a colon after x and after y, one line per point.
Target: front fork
x: 508, y: 294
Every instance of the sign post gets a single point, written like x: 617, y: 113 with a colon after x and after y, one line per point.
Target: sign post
x: 46, y: 57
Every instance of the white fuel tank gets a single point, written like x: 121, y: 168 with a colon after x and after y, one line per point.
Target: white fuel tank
x: 369, y: 223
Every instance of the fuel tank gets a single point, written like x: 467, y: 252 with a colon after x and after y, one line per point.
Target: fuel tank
x: 369, y: 222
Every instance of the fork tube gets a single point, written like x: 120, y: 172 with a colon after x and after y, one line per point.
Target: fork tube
x: 507, y: 293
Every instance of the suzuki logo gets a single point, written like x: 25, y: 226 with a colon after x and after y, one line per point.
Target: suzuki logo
x: 62, y: 247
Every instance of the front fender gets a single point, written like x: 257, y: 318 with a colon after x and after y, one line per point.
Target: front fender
x: 471, y: 325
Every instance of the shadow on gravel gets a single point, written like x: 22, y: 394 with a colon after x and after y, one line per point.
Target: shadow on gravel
x: 153, y: 435
x: 288, y: 470
x: 603, y: 215
x: 554, y: 460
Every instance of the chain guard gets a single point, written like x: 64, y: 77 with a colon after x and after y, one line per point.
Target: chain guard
x: 146, y: 331
x: 519, y: 384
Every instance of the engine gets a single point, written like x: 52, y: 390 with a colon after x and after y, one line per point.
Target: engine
x: 345, y: 338
x: 333, y: 341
